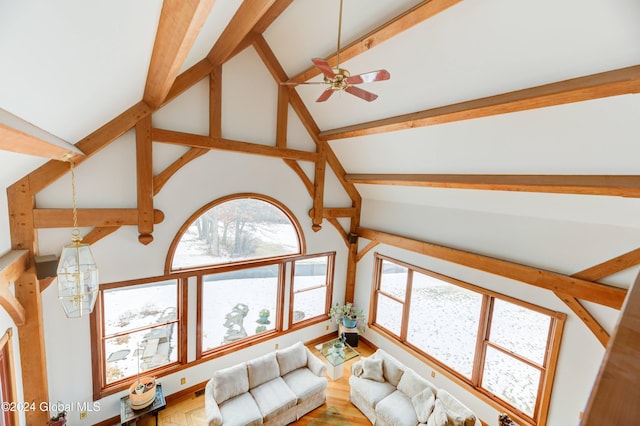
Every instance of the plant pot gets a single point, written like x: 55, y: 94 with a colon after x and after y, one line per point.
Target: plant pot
x: 349, y: 323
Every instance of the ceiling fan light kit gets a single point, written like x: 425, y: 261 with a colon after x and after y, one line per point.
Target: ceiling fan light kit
x: 339, y: 79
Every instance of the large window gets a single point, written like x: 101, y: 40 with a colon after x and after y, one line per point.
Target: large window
x: 504, y: 348
x: 140, y: 329
x: 311, y: 284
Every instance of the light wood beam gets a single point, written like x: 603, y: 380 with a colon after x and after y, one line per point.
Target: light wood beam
x: 612, y: 297
x: 199, y: 141
x: 179, y: 25
x: 335, y: 212
x: 616, y: 392
x: 215, y: 102
x: 318, y: 189
x: 63, y: 218
x: 13, y: 264
x: 11, y: 305
x: 406, y: 20
x: 18, y: 135
x: 243, y: 21
x: 611, y: 83
x: 366, y: 250
x: 144, y: 174
x: 302, y: 175
x: 610, y: 267
x: 610, y: 185
x: 187, y: 79
x: 21, y: 202
x: 98, y: 233
x: 585, y: 316
x: 282, y: 117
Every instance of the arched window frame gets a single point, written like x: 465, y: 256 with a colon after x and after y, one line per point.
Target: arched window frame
x: 176, y: 240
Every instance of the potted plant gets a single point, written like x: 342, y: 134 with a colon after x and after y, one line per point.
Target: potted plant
x: 349, y: 316
x: 59, y: 419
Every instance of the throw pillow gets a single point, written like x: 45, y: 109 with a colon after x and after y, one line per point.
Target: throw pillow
x: 390, y: 367
x: 262, y: 369
x: 423, y: 403
x: 230, y: 382
x: 439, y: 415
x: 372, y: 370
x: 292, y: 358
x: 458, y: 414
x: 410, y: 384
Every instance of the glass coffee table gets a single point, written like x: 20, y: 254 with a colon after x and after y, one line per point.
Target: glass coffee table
x: 336, y: 352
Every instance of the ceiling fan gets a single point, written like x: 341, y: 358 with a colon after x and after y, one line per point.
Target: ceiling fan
x: 340, y: 79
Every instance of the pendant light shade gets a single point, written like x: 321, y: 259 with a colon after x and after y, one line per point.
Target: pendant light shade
x: 77, y: 271
x: 77, y: 279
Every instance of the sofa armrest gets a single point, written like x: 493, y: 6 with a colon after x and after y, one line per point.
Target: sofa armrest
x: 356, y: 367
x: 314, y: 363
x: 212, y: 411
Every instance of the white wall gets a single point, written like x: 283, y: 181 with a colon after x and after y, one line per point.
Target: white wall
x: 559, y: 246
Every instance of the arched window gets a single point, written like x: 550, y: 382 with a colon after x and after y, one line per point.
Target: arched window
x: 234, y: 229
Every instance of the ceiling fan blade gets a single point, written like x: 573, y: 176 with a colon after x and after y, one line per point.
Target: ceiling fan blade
x: 369, y: 77
x: 324, y: 67
x: 325, y: 95
x: 362, y: 94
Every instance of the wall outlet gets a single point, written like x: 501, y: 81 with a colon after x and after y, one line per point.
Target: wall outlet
x: 183, y: 380
x: 326, y: 327
x: 83, y: 415
x: 433, y: 374
x: 277, y: 345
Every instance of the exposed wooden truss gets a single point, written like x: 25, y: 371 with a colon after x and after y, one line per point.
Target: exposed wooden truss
x: 611, y: 83
x: 12, y: 266
x: 179, y: 25
x: 612, y: 185
x: 19, y: 136
x: 602, y: 294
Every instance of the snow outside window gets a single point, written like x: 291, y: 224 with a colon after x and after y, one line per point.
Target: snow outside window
x: 311, y: 284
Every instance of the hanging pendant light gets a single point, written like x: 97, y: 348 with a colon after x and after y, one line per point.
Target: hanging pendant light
x: 77, y: 270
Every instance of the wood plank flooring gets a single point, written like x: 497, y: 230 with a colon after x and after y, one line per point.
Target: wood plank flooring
x: 189, y: 411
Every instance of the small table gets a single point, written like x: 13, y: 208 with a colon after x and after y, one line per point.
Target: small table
x: 337, y: 357
x: 129, y: 415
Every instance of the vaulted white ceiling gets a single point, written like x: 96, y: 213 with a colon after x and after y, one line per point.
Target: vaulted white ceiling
x: 69, y: 66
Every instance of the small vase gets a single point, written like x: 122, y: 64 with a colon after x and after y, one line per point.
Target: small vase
x: 348, y: 322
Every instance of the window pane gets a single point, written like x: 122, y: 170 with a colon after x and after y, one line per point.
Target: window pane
x: 129, y: 308
x: 520, y: 330
x: 310, y: 273
x: 443, y: 321
x: 511, y: 379
x: 236, y: 230
x: 152, y: 348
x: 393, y: 280
x: 232, y: 303
x: 389, y: 314
x: 309, y: 304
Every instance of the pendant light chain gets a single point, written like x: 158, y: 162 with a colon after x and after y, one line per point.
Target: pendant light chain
x: 76, y: 232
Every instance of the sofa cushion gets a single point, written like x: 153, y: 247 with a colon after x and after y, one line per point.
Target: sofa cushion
x: 295, y: 356
x: 303, y: 383
x: 391, y: 369
x: 273, y: 398
x: 230, y: 382
x: 458, y: 414
x: 240, y: 410
x: 397, y: 410
x: 369, y: 390
x: 412, y: 384
x: 372, y: 369
x: 262, y: 369
x: 423, y: 403
x: 439, y: 415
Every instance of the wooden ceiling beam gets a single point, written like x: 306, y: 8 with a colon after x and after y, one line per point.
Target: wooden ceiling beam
x: 12, y: 265
x: 243, y: 21
x: 408, y: 19
x: 611, y: 83
x: 144, y: 176
x: 602, y: 294
x: 179, y: 25
x: 18, y: 135
x: 63, y: 218
x: 611, y: 266
x: 610, y: 185
x: 199, y: 141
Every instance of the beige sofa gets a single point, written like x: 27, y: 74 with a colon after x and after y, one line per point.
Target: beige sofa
x: 275, y: 389
x: 389, y: 393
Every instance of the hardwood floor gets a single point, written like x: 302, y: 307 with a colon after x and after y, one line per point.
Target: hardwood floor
x: 189, y: 411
